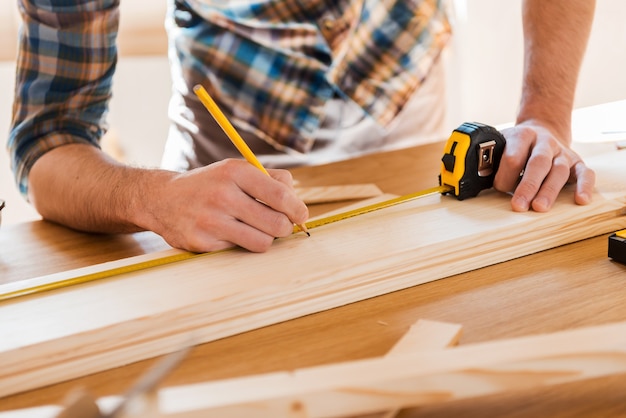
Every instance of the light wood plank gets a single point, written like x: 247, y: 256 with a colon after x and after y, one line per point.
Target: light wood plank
x: 423, y: 335
x: 140, y: 315
x: 427, y: 335
x: 325, y: 194
x: 356, y: 205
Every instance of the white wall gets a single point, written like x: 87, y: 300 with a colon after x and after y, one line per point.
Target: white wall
x: 8, y: 29
x: 486, y: 56
x: 603, y: 75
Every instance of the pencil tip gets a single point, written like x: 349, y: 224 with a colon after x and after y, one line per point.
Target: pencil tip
x: 304, y: 229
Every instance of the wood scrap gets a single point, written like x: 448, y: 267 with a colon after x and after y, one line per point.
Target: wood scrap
x: 409, y: 379
x: 427, y: 335
x: 424, y: 335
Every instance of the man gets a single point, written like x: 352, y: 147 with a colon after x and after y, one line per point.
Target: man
x: 304, y: 82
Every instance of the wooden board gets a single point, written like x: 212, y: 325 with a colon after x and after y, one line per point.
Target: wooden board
x: 53, y: 337
x: 325, y: 194
x: 424, y: 335
x: 427, y: 335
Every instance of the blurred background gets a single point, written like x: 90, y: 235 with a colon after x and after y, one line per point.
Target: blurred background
x: 484, y: 67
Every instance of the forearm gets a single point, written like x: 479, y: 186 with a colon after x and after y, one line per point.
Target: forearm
x: 555, y: 38
x: 206, y: 209
x: 79, y: 186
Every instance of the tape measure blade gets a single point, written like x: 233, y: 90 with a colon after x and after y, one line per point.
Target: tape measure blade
x: 49, y: 283
x: 377, y: 206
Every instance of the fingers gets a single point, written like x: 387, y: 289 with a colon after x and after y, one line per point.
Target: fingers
x: 260, y: 208
x: 225, y: 204
x: 231, y: 232
x: 547, y: 166
x: 282, y: 176
x: 586, y: 179
x: 514, y: 159
x: 277, y: 195
x: 541, y: 183
x: 262, y: 217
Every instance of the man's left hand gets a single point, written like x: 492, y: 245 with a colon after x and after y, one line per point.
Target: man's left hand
x: 536, y: 165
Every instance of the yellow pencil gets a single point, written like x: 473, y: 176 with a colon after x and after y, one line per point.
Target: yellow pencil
x: 232, y: 133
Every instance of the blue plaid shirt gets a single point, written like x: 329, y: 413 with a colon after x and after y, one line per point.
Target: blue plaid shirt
x: 270, y: 64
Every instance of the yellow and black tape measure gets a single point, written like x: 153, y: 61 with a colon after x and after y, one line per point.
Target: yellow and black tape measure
x: 471, y: 158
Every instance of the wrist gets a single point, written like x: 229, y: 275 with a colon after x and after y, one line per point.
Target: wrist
x: 147, y: 197
x: 557, y: 119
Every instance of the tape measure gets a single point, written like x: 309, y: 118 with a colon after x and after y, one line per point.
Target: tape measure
x: 471, y: 159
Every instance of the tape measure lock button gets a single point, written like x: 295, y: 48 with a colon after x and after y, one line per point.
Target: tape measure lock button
x: 449, y: 159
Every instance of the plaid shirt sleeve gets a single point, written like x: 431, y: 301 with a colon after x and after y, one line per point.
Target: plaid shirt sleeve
x: 65, y: 64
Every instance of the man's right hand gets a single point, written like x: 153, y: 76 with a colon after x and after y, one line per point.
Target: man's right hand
x: 219, y: 206
x: 206, y: 209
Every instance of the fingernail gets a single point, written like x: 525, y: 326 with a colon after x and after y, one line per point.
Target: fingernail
x: 520, y: 203
x: 541, y: 204
x: 584, y: 198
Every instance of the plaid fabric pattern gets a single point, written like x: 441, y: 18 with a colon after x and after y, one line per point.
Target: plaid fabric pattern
x: 270, y: 64
x: 65, y: 64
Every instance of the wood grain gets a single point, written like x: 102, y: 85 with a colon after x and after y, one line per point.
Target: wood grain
x: 325, y: 194
x: 424, y: 335
x: 566, y: 287
x: 427, y: 335
x: 144, y: 314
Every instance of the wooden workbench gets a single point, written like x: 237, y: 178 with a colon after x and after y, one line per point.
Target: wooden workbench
x: 566, y: 287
